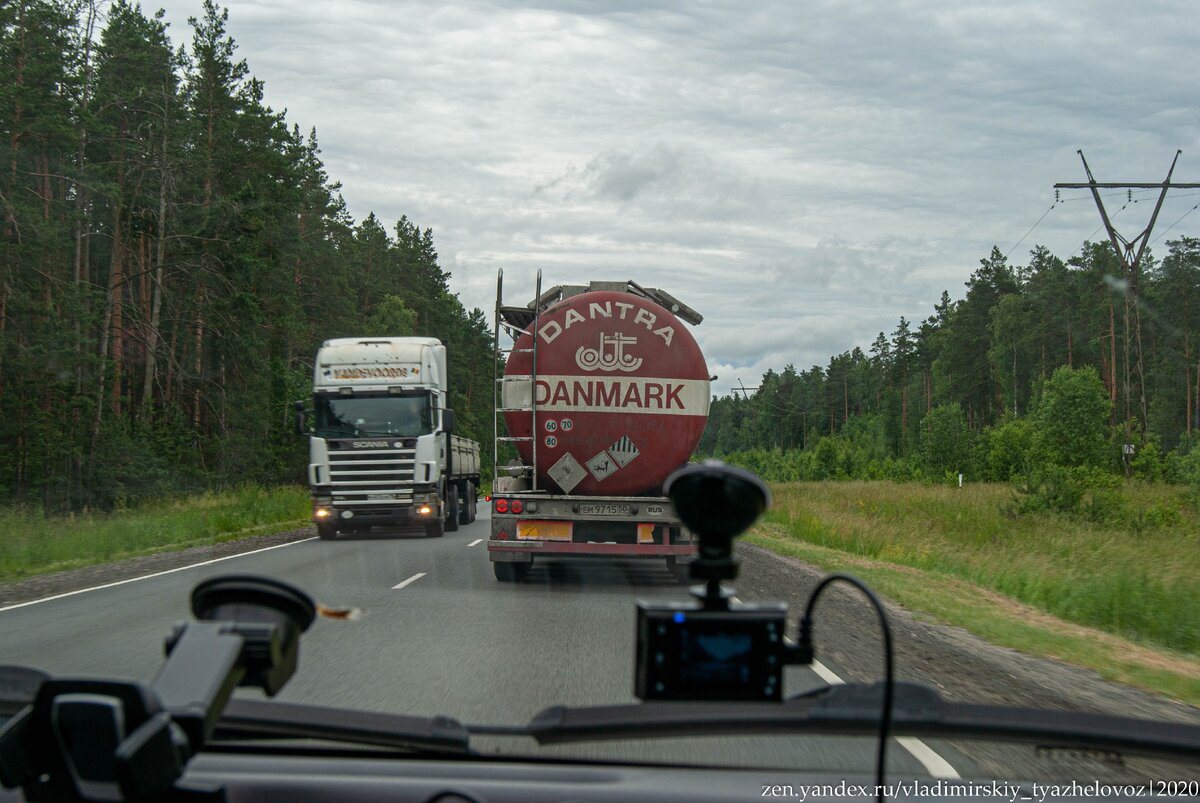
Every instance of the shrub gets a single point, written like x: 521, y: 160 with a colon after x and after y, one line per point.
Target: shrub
x: 1007, y: 448
x: 1071, y: 420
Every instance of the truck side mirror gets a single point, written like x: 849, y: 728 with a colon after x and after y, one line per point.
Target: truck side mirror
x: 448, y: 421
x: 301, y: 418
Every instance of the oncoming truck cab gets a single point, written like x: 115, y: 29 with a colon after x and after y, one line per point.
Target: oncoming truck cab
x: 382, y: 452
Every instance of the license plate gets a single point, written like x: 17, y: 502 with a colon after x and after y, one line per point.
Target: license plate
x: 605, y: 510
x: 381, y: 497
x: 544, y: 530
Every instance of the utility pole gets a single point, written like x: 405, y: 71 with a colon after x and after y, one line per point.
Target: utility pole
x: 1130, y: 252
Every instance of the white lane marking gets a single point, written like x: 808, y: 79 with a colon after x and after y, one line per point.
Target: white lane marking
x: 412, y: 579
x: 476, y: 542
x: 155, y: 574
x: 825, y: 673
x: 935, y: 765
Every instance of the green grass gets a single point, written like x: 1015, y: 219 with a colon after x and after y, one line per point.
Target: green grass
x: 33, y: 544
x: 1124, y: 602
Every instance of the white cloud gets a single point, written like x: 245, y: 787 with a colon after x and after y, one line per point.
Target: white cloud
x: 802, y: 174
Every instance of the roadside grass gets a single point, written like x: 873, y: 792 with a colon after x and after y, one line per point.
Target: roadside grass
x: 33, y: 544
x: 1124, y: 603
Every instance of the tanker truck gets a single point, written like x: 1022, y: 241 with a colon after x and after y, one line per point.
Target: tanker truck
x: 604, y: 393
x: 382, y: 452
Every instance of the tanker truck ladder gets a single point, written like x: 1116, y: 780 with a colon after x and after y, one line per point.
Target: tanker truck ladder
x: 515, y: 321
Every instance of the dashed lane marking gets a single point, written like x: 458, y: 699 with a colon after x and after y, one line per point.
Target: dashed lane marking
x: 934, y: 764
x: 412, y: 579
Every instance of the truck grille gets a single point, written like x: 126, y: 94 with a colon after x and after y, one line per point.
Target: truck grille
x: 372, y: 477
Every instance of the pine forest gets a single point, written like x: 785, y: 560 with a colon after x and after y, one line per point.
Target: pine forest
x: 173, y: 252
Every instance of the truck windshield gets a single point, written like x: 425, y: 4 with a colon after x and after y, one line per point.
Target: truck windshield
x: 358, y: 416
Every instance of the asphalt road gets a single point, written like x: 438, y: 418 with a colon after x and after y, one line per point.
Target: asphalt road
x: 439, y: 636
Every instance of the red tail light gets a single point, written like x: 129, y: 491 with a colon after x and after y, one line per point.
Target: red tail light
x: 517, y: 506
x: 501, y: 505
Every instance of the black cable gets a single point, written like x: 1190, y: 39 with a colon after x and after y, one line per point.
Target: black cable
x: 1031, y: 228
x: 1176, y: 223
x: 807, y: 653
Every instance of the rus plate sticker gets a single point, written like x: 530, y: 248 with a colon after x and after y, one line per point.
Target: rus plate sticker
x: 567, y: 472
x: 623, y: 451
x: 602, y: 465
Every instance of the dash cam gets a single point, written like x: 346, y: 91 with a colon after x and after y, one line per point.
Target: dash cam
x: 687, y: 653
x: 710, y: 647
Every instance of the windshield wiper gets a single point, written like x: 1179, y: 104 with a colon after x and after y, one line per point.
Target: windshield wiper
x: 854, y: 709
x: 258, y: 719
x: 246, y: 719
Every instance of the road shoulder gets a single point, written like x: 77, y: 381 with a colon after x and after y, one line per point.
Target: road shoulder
x: 28, y: 589
x: 961, y: 665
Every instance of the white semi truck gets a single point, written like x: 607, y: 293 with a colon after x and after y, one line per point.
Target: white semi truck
x: 382, y: 452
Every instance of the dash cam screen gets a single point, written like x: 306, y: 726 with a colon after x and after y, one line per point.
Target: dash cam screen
x: 711, y: 654
x: 689, y: 654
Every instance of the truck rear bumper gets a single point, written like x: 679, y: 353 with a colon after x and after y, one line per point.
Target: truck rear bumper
x: 517, y: 551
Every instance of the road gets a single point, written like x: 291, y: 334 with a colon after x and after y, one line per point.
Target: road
x: 441, y: 636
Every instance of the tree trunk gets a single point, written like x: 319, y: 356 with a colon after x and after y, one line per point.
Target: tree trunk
x: 98, y: 415
x: 1187, y: 384
x: 14, y: 139
x: 1140, y: 364
x: 198, y: 371
x: 1196, y: 396
x: 152, y: 334
x: 1125, y: 365
x: 156, y: 303
x: 4, y: 291
x: 1112, y: 364
x: 116, y: 305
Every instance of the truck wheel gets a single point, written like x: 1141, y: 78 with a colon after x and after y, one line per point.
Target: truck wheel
x: 326, y: 532
x: 511, y: 572
x: 679, y: 569
x: 434, y: 529
x: 452, y: 513
x: 466, y: 513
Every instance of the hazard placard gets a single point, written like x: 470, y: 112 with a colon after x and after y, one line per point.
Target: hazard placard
x: 602, y: 465
x: 623, y: 451
x: 567, y: 472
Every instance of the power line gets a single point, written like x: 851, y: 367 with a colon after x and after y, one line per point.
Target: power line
x: 1031, y: 228
x: 1176, y: 223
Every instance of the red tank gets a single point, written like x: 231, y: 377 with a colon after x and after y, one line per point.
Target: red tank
x: 622, y: 395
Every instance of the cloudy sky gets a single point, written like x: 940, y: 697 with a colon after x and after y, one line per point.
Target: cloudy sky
x: 801, y: 173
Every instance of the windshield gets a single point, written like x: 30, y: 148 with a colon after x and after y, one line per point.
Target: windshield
x: 930, y: 270
x: 357, y: 416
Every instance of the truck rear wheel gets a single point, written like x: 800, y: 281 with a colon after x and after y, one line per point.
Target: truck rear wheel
x: 466, y: 513
x: 452, y: 509
x: 679, y: 569
x: 511, y: 572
